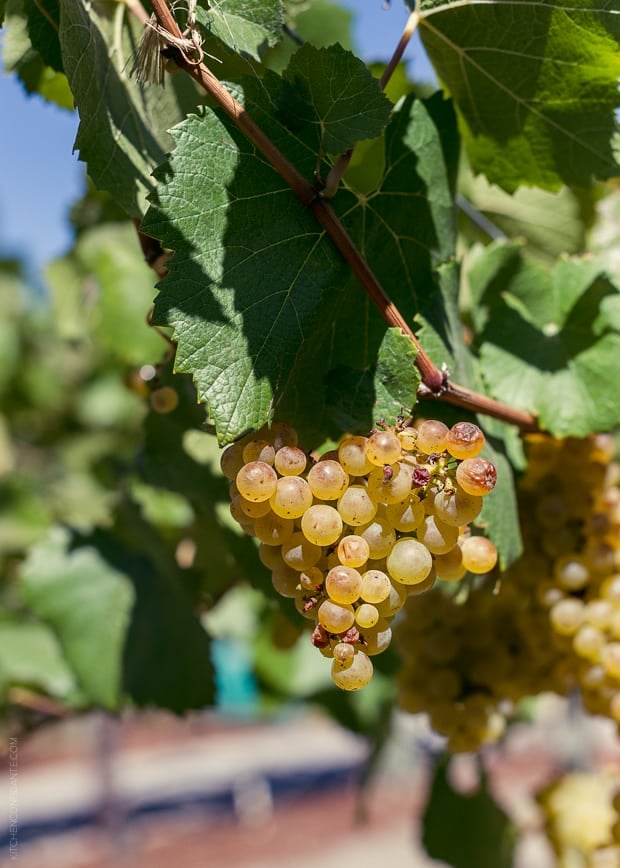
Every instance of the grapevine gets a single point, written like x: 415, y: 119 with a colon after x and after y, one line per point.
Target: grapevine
x: 366, y: 525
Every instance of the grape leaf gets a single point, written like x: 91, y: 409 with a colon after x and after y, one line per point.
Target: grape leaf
x: 481, y: 834
x: 123, y: 127
x: 535, y: 85
x: 550, y: 343
x: 88, y: 603
x: 31, y: 656
x: 43, y: 24
x: 334, y: 90
x: 246, y: 26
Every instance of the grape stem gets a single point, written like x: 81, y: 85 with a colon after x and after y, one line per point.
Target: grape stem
x: 435, y: 383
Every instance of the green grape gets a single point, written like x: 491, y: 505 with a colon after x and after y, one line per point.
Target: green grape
x: 290, y: 461
x: 571, y: 572
x: 285, y: 581
x: 566, y: 616
x: 299, y: 553
x: 354, y: 676
x: 281, y: 434
x: 352, y: 456
x: 432, y: 436
x: 598, y: 613
x: 353, y: 551
x: 380, y: 537
x: 390, y: 484
x: 335, y: 617
x: 455, y: 507
x: 394, y: 602
x: 375, y: 586
x: 327, y: 480
x: 378, y: 638
x: 259, y: 450
x: 321, y: 524
x: 273, y: 530
x: 588, y: 642
x: 408, y: 438
x: 406, y: 515
x: 438, y: 537
x: 449, y: 567
x: 311, y: 579
x: 271, y: 556
x: 238, y: 514
x: 409, y: 562
x: 383, y: 447
x: 343, y: 584
x: 464, y: 440
x: 366, y: 615
x: 257, y: 481
x: 164, y: 400
x: 610, y: 658
x: 254, y: 509
x: 476, y: 476
x: 231, y: 461
x: 344, y: 653
x: 291, y: 498
x: 356, y: 506
x: 423, y: 586
x: 479, y: 554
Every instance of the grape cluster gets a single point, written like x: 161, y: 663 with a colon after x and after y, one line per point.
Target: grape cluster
x: 582, y: 819
x: 551, y: 622
x: 351, y: 535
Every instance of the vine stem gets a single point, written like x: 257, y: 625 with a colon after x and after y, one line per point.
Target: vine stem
x: 435, y: 383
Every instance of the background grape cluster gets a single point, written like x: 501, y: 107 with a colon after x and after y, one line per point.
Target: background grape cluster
x: 551, y: 622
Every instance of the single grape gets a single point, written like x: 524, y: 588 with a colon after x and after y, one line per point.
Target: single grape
x: 164, y: 400
x: 383, y: 447
x: 479, y: 554
x: 271, y: 556
x: 406, y: 515
x: 465, y: 440
x: 375, y: 586
x: 285, y: 581
x: 366, y: 615
x: 409, y: 562
x: 588, y: 642
x: 311, y: 578
x: 455, y: 507
x: 438, y: 537
x: 327, y: 480
x: 610, y: 658
x: 354, y: 676
x: 391, y: 483
x: 380, y: 537
x: 259, y: 450
x: 353, y: 551
x: 290, y: 461
x: 449, y: 566
x: 291, y: 498
x: 352, y: 456
x: 356, y: 506
x: 343, y: 584
x: 378, y: 638
x: 571, y: 572
x: 257, y: 481
x: 408, y: 438
x: 254, y: 509
x: 476, y: 476
x: 566, y: 616
x: 335, y: 617
x: 231, y: 461
x: 432, y: 436
x: 321, y: 524
x: 425, y: 585
x: 281, y: 434
x: 238, y: 514
x: 344, y: 653
x: 273, y: 530
x: 394, y: 602
x: 299, y: 553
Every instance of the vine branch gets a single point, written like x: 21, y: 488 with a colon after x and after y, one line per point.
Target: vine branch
x: 435, y: 383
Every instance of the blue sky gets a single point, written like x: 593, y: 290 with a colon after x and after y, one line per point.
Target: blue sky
x: 41, y: 177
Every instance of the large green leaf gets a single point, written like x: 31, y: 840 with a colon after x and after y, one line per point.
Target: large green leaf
x: 31, y: 656
x: 246, y: 26
x: 255, y: 287
x: 123, y: 126
x: 549, y: 343
x: 88, y: 603
x: 334, y: 90
x: 535, y: 83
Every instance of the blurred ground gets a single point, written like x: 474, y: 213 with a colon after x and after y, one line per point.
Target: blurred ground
x: 154, y: 790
